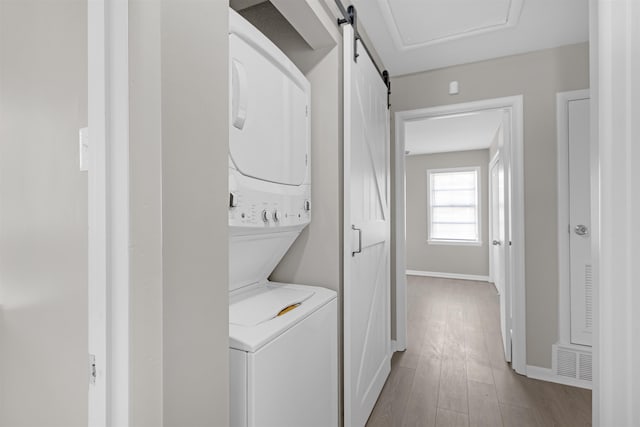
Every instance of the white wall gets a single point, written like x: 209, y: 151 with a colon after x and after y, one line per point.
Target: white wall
x: 538, y: 76
x: 423, y: 256
x: 145, y: 172
x: 195, y: 197
x: 179, y: 194
x: 43, y: 214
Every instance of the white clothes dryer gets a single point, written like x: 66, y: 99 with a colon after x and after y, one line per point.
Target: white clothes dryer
x: 282, y: 337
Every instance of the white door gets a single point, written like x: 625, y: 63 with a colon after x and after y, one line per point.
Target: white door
x: 498, y: 249
x: 580, y: 223
x: 367, y: 340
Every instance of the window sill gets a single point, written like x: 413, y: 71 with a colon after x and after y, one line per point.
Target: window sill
x: 453, y: 243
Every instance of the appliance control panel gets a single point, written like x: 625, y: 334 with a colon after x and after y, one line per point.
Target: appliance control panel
x: 249, y: 208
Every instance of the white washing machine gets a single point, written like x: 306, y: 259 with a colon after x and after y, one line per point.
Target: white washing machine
x: 282, y: 337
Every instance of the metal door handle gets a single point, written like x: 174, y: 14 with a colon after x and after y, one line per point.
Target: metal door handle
x: 581, y: 230
x: 353, y: 227
x: 496, y: 243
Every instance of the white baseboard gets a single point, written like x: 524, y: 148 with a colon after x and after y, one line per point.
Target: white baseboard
x: 395, y: 346
x: 449, y: 275
x: 544, y: 374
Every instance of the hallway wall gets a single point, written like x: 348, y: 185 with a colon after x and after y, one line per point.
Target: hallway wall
x: 43, y: 214
x: 538, y: 76
x: 195, y: 197
x: 145, y: 202
x: 178, y: 117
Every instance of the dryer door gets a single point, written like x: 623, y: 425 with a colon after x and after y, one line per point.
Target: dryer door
x: 269, y: 123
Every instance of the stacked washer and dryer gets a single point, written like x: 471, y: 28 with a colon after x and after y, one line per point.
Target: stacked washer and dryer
x: 282, y: 337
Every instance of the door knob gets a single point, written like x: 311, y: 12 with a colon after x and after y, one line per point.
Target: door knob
x: 581, y: 230
x: 496, y: 243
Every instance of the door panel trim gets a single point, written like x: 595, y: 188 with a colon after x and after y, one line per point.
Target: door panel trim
x: 108, y: 211
x: 564, y: 277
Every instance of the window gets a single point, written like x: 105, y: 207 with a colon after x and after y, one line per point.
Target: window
x: 454, y: 212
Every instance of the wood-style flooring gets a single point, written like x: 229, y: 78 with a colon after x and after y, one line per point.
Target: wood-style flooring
x: 453, y: 372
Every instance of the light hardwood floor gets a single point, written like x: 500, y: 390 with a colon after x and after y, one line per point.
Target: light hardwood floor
x: 453, y: 372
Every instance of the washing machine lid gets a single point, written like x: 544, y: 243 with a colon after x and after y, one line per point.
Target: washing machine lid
x: 250, y: 331
x: 267, y: 304
x: 269, y: 123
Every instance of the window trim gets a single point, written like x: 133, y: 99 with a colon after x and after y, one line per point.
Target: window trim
x: 477, y: 170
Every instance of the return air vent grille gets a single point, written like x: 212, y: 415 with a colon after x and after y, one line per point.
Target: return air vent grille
x: 567, y: 366
x: 584, y: 366
x: 588, y: 297
x: 573, y: 362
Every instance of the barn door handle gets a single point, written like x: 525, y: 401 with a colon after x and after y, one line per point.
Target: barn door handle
x: 581, y: 230
x: 353, y: 227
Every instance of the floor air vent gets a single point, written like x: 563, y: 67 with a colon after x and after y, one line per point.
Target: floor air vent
x: 572, y: 362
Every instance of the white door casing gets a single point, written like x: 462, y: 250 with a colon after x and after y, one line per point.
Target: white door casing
x: 513, y: 157
x: 108, y: 212
x: 615, y: 82
x: 499, y: 244
x: 367, y: 323
x: 574, y: 218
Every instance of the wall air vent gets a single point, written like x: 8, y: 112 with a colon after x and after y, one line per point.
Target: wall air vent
x: 566, y: 366
x: 584, y: 364
x: 574, y: 363
x: 588, y: 297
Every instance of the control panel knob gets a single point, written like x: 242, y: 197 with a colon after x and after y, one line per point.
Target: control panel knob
x: 276, y: 215
x: 265, y: 216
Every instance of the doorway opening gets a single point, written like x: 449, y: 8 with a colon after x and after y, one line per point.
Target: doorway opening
x: 506, y: 235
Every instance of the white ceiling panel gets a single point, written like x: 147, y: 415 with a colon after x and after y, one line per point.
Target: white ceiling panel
x: 415, y: 23
x: 459, y: 132
x: 418, y: 35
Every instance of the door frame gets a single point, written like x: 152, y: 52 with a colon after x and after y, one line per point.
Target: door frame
x: 514, y: 167
x: 564, y: 283
x: 108, y: 211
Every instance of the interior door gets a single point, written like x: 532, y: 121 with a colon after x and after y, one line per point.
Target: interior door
x: 580, y: 223
x: 367, y: 341
x: 498, y: 249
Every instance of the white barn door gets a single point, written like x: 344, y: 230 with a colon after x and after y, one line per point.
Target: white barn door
x: 367, y: 341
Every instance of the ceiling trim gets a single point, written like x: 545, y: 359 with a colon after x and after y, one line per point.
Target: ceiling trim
x: 513, y: 16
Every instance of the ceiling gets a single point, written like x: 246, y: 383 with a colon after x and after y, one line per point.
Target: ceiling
x: 243, y: 4
x: 417, y: 35
x: 458, y: 132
